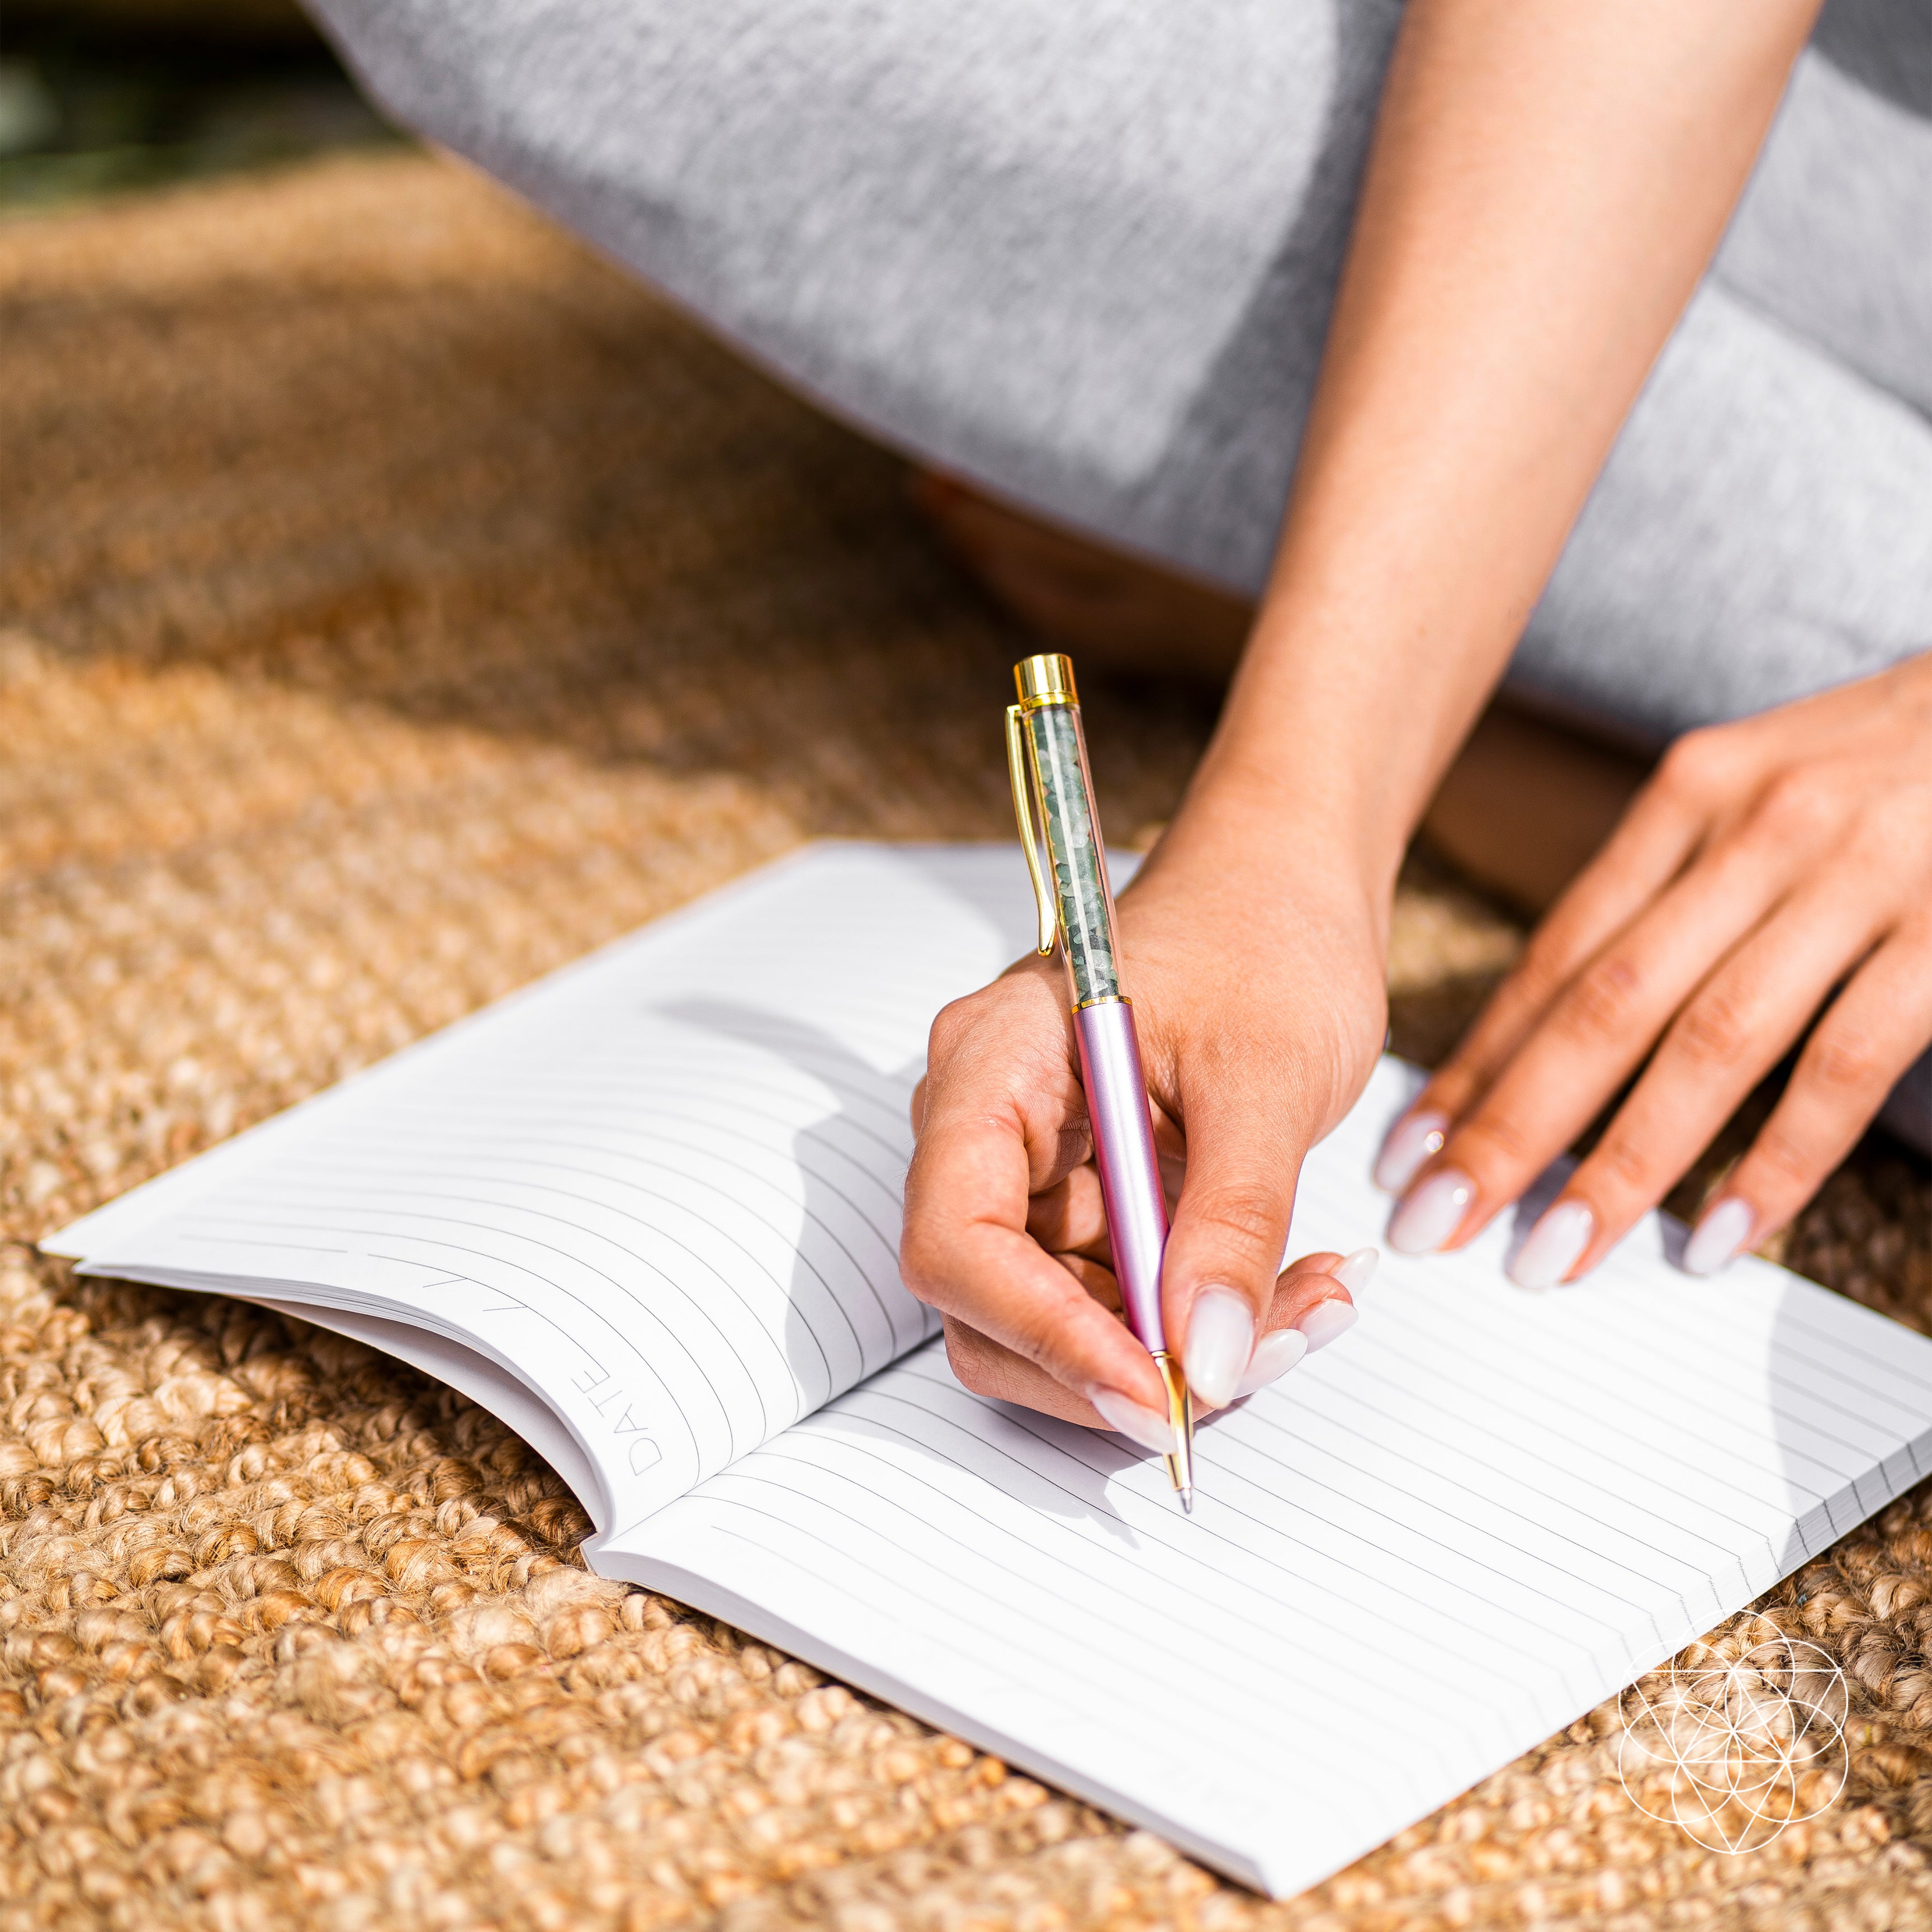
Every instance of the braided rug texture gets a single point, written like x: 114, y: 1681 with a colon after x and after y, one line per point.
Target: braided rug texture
x: 393, y: 603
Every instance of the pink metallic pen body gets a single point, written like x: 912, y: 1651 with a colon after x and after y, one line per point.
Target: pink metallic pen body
x: 1048, y: 758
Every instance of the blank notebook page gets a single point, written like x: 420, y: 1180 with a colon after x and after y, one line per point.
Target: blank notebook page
x: 661, y: 1186
x: 1471, y: 1518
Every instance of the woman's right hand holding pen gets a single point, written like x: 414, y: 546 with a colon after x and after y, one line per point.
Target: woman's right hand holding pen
x: 1547, y: 183
x: 1258, y: 987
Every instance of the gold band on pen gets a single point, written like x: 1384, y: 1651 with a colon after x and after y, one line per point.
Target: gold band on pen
x: 1047, y: 678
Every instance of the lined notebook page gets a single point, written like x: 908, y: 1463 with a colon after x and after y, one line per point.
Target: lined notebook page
x: 661, y: 1188
x: 1462, y: 1526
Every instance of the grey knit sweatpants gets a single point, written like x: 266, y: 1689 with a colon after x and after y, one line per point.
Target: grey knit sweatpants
x: 1084, y: 250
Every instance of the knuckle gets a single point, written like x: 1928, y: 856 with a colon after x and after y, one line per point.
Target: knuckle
x: 1845, y: 1062
x: 953, y: 1024
x: 1603, y: 1004
x: 1539, y: 974
x: 1696, y: 765
x: 920, y: 1262
x: 1785, y: 1161
x: 972, y: 1359
x: 1619, y: 1165
x: 1715, y: 1031
x: 1800, y: 803
x: 1255, y: 1217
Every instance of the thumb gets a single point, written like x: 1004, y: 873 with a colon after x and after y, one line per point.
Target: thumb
x: 1230, y: 1230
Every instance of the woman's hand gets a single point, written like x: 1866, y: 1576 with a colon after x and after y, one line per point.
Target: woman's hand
x: 1259, y: 1002
x: 1547, y: 181
x: 1767, y: 864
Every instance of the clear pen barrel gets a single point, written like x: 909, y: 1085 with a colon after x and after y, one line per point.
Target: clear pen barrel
x: 1078, y: 861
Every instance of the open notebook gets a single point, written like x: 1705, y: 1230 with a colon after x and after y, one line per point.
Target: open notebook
x: 647, y: 1209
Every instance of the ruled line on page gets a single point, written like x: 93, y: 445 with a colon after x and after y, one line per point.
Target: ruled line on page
x: 418, y: 1188
x: 1295, y: 1523
x: 693, y: 1145
x: 1490, y: 1473
x: 428, y: 1228
x: 1483, y: 1507
x: 1215, y: 1577
x: 1041, y: 1593
x: 1204, y: 1705
x: 526, y: 1169
x: 1038, y: 1469
x: 1573, y: 1420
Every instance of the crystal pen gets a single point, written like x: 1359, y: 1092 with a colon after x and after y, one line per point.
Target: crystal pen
x: 1053, y: 799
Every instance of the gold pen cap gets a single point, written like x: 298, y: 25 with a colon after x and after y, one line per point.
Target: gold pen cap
x: 1047, y: 678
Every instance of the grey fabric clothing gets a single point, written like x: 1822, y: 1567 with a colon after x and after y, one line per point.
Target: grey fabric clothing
x: 1085, y: 252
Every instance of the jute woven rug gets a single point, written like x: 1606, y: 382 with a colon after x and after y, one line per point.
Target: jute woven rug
x: 396, y: 603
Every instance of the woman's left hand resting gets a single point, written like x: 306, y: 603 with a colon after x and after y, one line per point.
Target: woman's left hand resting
x: 1767, y: 863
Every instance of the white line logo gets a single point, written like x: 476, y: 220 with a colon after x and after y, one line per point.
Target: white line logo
x: 1733, y: 1752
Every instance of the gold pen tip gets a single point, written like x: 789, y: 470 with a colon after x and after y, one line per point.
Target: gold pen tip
x: 1187, y: 1502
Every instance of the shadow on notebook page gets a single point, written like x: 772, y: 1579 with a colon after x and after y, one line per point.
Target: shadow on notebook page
x: 848, y: 1314
x: 851, y: 1166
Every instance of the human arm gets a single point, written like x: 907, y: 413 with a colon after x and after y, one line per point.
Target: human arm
x: 1547, y: 181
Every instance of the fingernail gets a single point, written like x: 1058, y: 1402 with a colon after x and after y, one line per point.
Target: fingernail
x: 1553, y: 1245
x: 1220, y: 1339
x: 1127, y: 1418
x: 1358, y: 1270
x: 1720, y: 1237
x: 1325, y: 1321
x: 1426, y: 1218
x: 1411, y: 1141
x: 1274, y: 1355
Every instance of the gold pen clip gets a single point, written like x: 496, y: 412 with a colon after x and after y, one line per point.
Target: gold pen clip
x: 1019, y: 763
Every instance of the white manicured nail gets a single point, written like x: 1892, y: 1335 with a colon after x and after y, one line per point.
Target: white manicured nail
x: 1127, y: 1418
x: 1274, y: 1355
x: 1220, y: 1339
x: 1720, y: 1237
x: 1411, y: 1142
x: 1358, y: 1270
x: 1325, y: 1321
x: 1553, y: 1245
x: 1426, y: 1218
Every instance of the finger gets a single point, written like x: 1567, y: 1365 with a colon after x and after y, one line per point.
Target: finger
x: 1875, y: 1030
x: 998, y: 1125
x: 1314, y: 1304
x: 1224, y: 1250
x: 1654, y: 841
x: 989, y: 1368
x: 1733, y: 1031
x: 1070, y: 1218
x: 1097, y: 1278
x: 980, y: 1268
x: 1593, y: 1037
